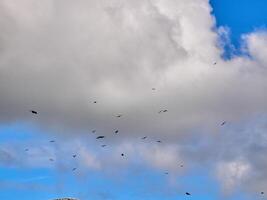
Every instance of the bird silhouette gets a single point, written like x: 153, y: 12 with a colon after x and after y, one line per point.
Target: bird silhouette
x: 103, y: 145
x: 187, y: 193
x: 120, y: 115
x: 223, y: 123
x: 117, y: 131
x: 74, y: 156
x: 144, y: 137
x: 34, y: 112
x: 163, y: 111
x: 100, y: 137
x: 93, y: 131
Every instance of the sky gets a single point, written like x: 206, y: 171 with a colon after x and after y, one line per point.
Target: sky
x: 81, y: 64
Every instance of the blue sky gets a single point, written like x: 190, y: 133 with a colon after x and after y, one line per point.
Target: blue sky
x: 241, y: 17
x: 21, y: 180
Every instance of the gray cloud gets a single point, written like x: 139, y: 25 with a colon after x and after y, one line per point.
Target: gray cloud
x: 59, y: 56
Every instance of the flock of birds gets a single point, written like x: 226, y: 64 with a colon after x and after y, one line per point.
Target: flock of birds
x: 116, y: 132
x: 102, y: 136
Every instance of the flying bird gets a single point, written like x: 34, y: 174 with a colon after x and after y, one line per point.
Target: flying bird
x: 215, y: 63
x: 117, y: 131
x: 73, y: 169
x: 26, y: 150
x: 158, y: 141
x: 144, y: 137
x: 34, y: 112
x: 51, y: 159
x: 120, y: 115
x: 262, y: 192
x: 181, y: 165
x: 122, y: 154
x: 52, y: 141
x: 74, y: 156
x: 103, y: 145
x: 153, y: 88
x: 161, y: 111
x: 100, y: 137
x: 95, y: 101
x: 187, y: 193
x: 166, y: 173
x: 93, y: 131
x: 223, y: 123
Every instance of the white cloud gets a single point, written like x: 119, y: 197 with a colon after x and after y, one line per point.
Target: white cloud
x: 88, y: 159
x: 59, y: 56
x: 232, y: 173
x: 257, y: 47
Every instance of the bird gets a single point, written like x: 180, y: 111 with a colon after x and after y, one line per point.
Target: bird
x: 161, y: 111
x: 215, y: 63
x: 103, y: 145
x: 262, y: 192
x: 122, y: 154
x: 74, y: 156
x: 95, y: 101
x: 187, y: 193
x: 223, y: 123
x: 73, y: 169
x: 158, y: 141
x: 117, y: 131
x: 119, y: 115
x: 100, y: 137
x: 93, y: 131
x: 153, y: 88
x: 52, y: 141
x: 181, y: 165
x: 34, y: 112
x: 166, y: 173
x: 51, y: 159
x: 144, y: 137
x: 26, y: 150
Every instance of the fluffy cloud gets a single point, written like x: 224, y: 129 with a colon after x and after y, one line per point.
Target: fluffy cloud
x: 232, y: 173
x: 59, y: 56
